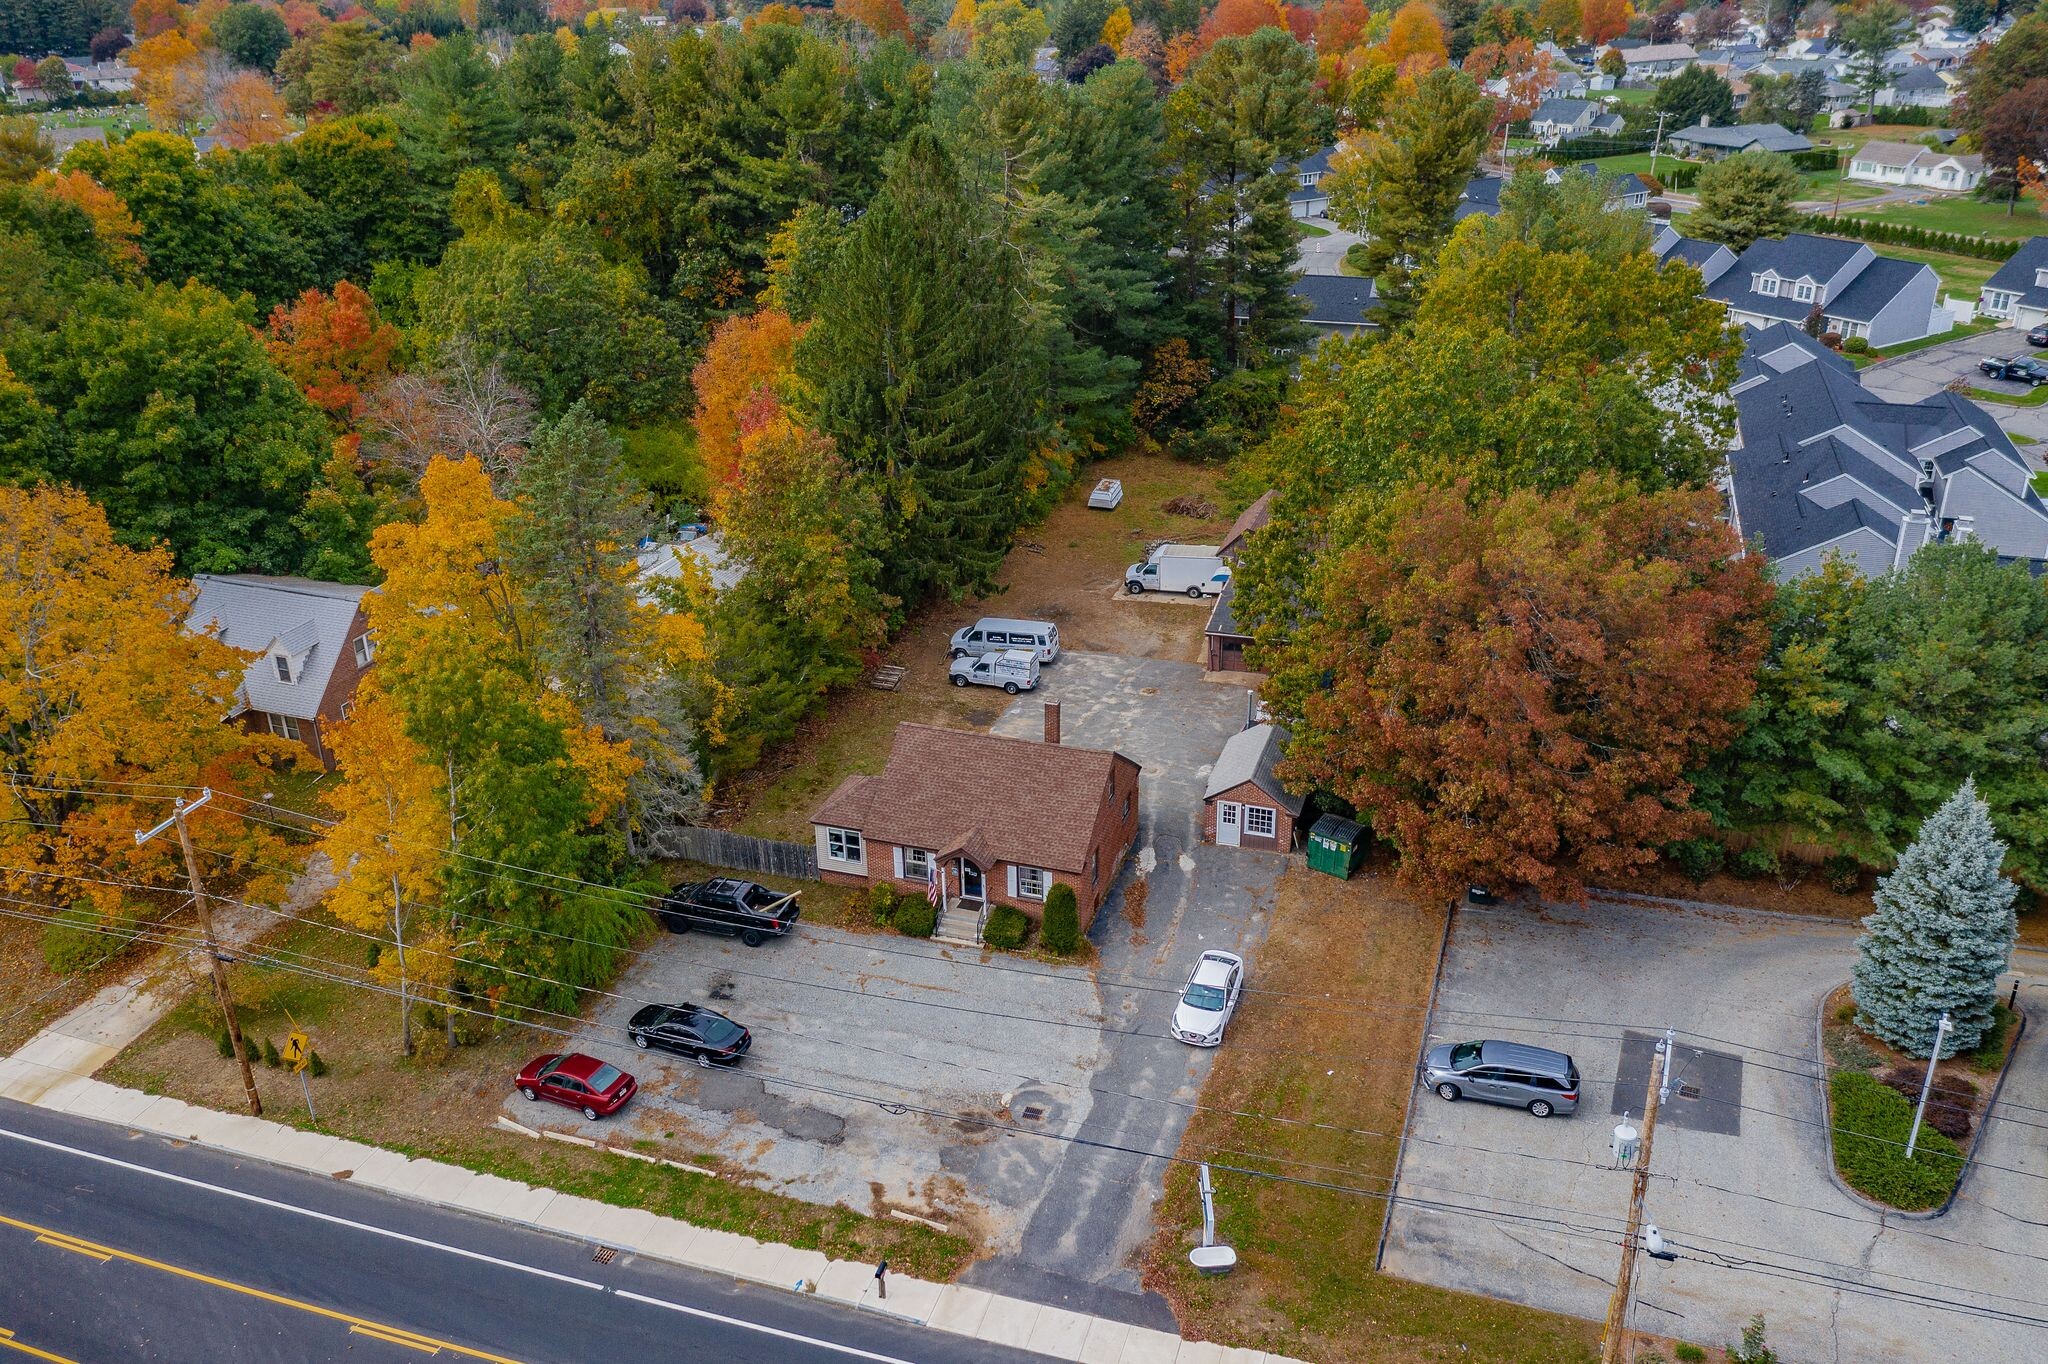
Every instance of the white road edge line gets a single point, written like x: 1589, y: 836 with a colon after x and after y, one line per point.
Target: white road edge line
x: 742, y: 1323
x: 777, y: 1331
x: 261, y: 1201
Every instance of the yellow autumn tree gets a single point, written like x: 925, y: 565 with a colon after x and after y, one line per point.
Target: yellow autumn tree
x: 109, y: 705
x: 1116, y: 28
x: 249, y: 111
x: 170, y: 79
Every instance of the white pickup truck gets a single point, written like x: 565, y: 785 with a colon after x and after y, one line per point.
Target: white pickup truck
x: 1013, y: 670
x: 1197, y: 570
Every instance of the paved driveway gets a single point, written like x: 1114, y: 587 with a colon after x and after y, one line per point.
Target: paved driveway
x: 1323, y: 255
x: 846, y: 1021
x: 1923, y: 373
x: 1741, y: 1184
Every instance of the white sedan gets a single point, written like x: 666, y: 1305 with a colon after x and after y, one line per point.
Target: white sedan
x: 1210, y: 999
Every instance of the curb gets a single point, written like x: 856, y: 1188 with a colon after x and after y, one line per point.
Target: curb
x: 1827, y: 1112
x: 954, y: 1308
x: 1436, y: 980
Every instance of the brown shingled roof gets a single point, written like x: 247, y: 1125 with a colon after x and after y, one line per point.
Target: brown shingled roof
x: 1009, y: 800
x: 1250, y: 519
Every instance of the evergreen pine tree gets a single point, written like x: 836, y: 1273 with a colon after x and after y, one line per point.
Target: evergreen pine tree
x: 1942, y: 933
x: 912, y: 367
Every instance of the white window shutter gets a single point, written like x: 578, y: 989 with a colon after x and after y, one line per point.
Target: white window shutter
x: 898, y: 850
x: 1013, y: 880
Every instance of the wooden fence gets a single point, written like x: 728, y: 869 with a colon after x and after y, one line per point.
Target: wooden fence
x: 742, y: 852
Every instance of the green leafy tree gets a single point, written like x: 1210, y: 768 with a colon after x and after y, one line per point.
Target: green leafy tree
x: 1745, y: 197
x: 1243, y: 116
x: 1008, y: 32
x: 170, y: 414
x: 1941, y: 936
x: 1079, y: 26
x: 251, y: 35
x: 1574, y: 214
x: 375, y: 207
x: 1401, y: 186
x: 1695, y: 96
x: 912, y: 369
x: 1871, y: 30
x: 349, y: 68
x: 24, y: 150
x: 1997, y: 70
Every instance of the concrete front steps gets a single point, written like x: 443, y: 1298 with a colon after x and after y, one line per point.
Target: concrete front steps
x: 960, y: 926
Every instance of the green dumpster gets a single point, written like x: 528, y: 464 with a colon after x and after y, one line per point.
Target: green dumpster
x: 1336, y: 846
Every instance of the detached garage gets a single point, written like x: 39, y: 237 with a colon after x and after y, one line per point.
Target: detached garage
x: 1246, y: 807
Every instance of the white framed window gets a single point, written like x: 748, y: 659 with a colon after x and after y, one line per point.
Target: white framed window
x: 917, y: 864
x: 1031, y: 883
x: 1768, y: 286
x: 284, y: 726
x: 1803, y: 292
x: 284, y: 667
x: 348, y: 709
x: 365, y: 649
x: 1259, y: 821
x: 842, y: 845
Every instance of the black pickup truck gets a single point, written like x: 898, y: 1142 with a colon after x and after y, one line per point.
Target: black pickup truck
x: 726, y: 905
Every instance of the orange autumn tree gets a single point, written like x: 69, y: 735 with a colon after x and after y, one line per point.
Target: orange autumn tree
x: 333, y: 347
x: 170, y: 79
x: 1602, y: 21
x: 749, y: 354
x: 1415, y: 40
x: 105, y: 695
x: 151, y: 17
x: 1341, y: 26
x: 112, y: 223
x: 1238, y: 19
x: 249, y: 111
x: 883, y: 18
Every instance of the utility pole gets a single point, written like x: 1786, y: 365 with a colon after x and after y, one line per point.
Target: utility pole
x: 1658, y: 145
x: 1614, y: 1338
x: 398, y: 939
x: 1940, y: 1036
x: 179, y: 810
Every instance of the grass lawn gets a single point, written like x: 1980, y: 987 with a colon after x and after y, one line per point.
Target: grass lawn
x: 1969, y: 216
x: 440, y: 1103
x: 1631, y: 95
x: 1637, y: 163
x: 1961, y: 276
x: 1308, y: 229
x: 1829, y: 185
x: 2041, y: 483
x: 1304, y: 1284
x: 1849, y: 139
x: 1068, y: 569
x: 2031, y: 398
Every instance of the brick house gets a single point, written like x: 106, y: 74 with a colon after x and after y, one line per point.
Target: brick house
x: 1245, y: 806
x: 1001, y: 818
x: 313, y: 645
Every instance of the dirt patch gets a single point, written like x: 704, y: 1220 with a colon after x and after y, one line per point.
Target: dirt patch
x: 1200, y: 508
x: 1303, y: 1284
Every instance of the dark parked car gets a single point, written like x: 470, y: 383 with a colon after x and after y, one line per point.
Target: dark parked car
x: 1536, y: 1078
x: 726, y: 905
x: 599, y: 1088
x: 704, y: 1035
x: 2038, y: 336
x: 2024, y: 369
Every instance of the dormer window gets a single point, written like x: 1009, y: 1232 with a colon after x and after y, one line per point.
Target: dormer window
x: 284, y: 667
x: 1804, y: 291
x: 2041, y: 278
x: 1767, y: 285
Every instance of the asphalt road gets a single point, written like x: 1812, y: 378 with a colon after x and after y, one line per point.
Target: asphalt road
x: 120, y: 1247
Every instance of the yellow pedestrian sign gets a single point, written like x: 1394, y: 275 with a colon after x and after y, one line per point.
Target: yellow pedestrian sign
x: 297, y: 1051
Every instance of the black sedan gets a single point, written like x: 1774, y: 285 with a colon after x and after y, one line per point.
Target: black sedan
x: 2023, y: 369
x: 2038, y: 336
x: 704, y: 1035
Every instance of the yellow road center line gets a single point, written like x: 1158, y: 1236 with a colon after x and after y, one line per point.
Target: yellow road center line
x: 397, y: 1334
x: 424, y: 1347
x: 90, y: 1252
x: 8, y: 1342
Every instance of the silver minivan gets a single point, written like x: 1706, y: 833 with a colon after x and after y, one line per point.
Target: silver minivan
x: 1536, y: 1078
x: 992, y: 634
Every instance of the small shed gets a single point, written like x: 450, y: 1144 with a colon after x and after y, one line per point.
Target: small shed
x: 1336, y: 845
x: 1245, y: 805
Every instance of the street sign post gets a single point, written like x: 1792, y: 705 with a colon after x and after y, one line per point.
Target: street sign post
x: 297, y: 1052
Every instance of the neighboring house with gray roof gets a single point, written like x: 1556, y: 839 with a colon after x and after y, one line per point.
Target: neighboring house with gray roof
x: 1337, y: 305
x: 1711, y: 143
x: 1858, y: 292
x: 1902, y: 163
x: 1245, y: 806
x: 1308, y: 198
x: 1711, y: 259
x: 1823, y: 467
x: 1482, y: 192
x: 1918, y: 86
x: 64, y: 139
x: 1655, y: 61
x: 312, y: 643
x: 2018, y: 293
x: 1560, y: 120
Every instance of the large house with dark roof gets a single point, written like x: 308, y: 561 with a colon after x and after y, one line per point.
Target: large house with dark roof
x: 1858, y: 292
x: 2018, y: 293
x: 1711, y: 259
x: 1336, y: 305
x: 1711, y: 143
x: 1821, y: 466
x: 312, y: 643
x: 994, y: 820
x: 1560, y: 120
x: 1308, y: 198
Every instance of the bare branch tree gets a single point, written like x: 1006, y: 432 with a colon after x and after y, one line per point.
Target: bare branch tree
x: 466, y: 406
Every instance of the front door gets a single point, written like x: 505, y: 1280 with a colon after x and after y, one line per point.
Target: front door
x: 971, y: 887
x: 1227, y: 817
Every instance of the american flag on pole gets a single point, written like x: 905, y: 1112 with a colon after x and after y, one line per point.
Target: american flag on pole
x: 932, y: 891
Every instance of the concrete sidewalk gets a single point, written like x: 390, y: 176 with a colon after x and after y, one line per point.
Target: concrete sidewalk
x: 55, y: 1083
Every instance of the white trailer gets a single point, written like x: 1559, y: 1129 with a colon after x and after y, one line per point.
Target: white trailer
x: 1197, y: 570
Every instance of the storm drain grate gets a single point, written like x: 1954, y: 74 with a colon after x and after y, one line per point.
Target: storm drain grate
x: 605, y: 1254
x: 1032, y: 1113
x: 1688, y: 1091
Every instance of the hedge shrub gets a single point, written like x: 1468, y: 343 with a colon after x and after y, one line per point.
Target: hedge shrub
x: 1698, y: 858
x: 882, y: 902
x: 1905, y: 234
x: 1871, y: 1125
x: 1060, y: 931
x: 1756, y: 862
x: 270, y: 1056
x: 916, y: 917
x: 1843, y: 873
x: 1005, y: 928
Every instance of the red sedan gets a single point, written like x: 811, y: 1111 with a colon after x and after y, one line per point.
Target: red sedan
x: 598, y: 1088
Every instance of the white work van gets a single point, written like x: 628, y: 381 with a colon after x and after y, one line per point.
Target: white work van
x: 995, y: 634
x: 1013, y: 670
x: 1197, y: 570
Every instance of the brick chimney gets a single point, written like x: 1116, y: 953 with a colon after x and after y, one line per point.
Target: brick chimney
x: 1052, y: 722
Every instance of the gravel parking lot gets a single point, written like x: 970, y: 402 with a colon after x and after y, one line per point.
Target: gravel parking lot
x: 846, y: 1023
x: 1500, y: 1203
